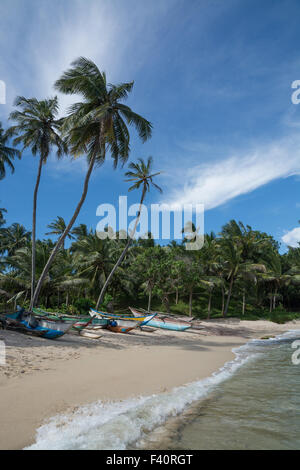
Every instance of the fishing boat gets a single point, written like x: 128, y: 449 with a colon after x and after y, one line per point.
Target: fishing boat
x: 119, y: 329
x: 50, y: 329
x: 166, y: 323
x: 125, y: 321
x: 11, y: 323
x: 78, y: 322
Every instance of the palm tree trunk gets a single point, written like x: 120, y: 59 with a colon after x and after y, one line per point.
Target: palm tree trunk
x: 223, y: 301
x: 228, y: 297
x: 271, y: 301
x: 176, y: 300
x: 190, y: 302
x: 101, y: 296
x: 38, y: 178
x: 209, y: 304
x: 63, y: 236
x: 67, y: 299
x: 166, y: 302
x: 149, y: 299
x: 274, y: 298
x: 244, y: 303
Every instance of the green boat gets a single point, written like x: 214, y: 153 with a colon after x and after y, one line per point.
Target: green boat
x: 81, y: 321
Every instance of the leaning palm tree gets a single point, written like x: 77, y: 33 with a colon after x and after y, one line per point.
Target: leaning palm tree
x: 94, y: 126
x: 37, y: 128
x: 7, y: 154
x: 142, y: 176
x: 58, y: 226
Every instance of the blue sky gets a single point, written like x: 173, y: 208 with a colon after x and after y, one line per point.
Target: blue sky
x: 214, y: 77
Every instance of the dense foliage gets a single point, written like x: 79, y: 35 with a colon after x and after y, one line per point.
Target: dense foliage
x: 237, y: 273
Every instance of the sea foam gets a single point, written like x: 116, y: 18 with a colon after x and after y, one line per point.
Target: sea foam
x: 116, y: 425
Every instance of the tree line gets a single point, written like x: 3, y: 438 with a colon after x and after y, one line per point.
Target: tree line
x: 238, y: 271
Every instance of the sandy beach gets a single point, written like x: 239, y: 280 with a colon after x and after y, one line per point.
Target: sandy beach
x: 43, y: 378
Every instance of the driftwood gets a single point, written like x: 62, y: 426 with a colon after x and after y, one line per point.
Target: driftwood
x: 147, y: 329
x: 196, y: 327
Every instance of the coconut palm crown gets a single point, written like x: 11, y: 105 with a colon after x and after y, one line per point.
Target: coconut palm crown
x: 99, y: 122
x: 7, y: 154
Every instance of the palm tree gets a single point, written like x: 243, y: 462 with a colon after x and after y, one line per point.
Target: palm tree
x: 58, y: 226
x: 191, y: 272
x: 231, y: 251
x: 13, y: 237
x: 142, y: 176
x: 18, y: 276
x: 2, y: 220
x: 95, y: 126
x: 80, y: 231
x: 93, y: 258
x: 38, y: 129
x: 7, y: 154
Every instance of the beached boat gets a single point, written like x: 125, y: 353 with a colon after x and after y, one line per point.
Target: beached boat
x: 54, y: 325
x: 119, y: 329
x: 46, y: 328
x: 78, y: 322
x: 10, y: 323
x: 166, y: 323
x: 125, y: 321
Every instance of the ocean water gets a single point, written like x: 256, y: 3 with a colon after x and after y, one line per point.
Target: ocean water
x: 252, y: 402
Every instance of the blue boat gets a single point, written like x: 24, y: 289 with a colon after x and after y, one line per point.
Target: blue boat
x: 49, y: 330
x: 165, y: 322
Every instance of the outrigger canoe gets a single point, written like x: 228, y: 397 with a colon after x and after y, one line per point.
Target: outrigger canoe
x: 119, y: 329
x: 124, y: 321
x: 50, y: 329
x: 79, y: 323
x: 166, y: 323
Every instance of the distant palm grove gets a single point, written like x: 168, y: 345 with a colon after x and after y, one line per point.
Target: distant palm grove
x: 238, y: 272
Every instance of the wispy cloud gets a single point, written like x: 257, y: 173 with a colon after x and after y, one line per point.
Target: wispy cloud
x: 37, y: 51
x: 292, y: 238
x: 239, y: 173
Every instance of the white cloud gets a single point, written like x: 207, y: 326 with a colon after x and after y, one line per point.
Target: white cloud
x: 292, y: 238
x: 39, y: 48
x: 217, y: 183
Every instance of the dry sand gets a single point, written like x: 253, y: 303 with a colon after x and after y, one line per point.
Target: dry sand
x: 43, y: 377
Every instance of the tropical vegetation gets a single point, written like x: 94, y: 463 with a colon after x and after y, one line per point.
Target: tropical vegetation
x: 238, y: 272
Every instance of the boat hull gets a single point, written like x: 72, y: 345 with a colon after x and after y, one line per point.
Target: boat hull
x: 119, y: 329
x: 55, y: 325
x: 166, y: 323
x: 123, y: 320
x: 36, y: 328
x: 78, y: 322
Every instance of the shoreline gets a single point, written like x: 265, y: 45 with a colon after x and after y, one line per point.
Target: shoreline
x: 43, y: 378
